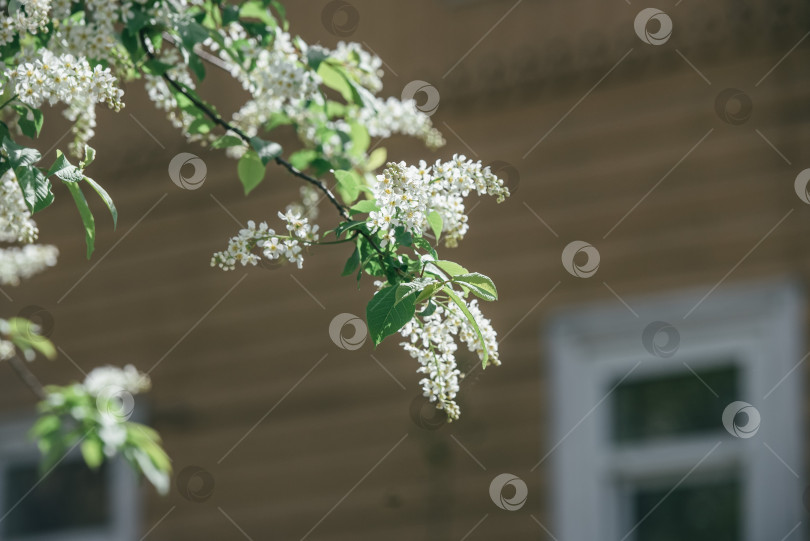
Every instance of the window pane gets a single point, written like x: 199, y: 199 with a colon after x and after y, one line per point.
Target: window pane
x: 706, y: 512
x: 674, y: 405
x: 71, y: 496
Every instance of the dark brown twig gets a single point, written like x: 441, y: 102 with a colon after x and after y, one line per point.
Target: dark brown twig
x: 28, y: 377
x: 218, y: 120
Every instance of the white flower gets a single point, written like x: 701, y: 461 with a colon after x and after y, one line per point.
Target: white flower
x: 16, y: 224
x: 21, y: 263
x: 104, y: 378
x: 431, y: 341
x: 406, y: 196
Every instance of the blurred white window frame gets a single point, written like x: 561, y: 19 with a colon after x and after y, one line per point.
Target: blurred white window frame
x: 590, y: 348
x: 123, y: 488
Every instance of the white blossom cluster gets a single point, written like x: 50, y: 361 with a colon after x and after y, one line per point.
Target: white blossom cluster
x: 24, y: 17
x: 407, y: 194
x: 384, y: 118
x: 64, y: 78
x: 112, y: 389
x: 16, y: 224
x: 20, y: 263
x: 104, y: 378
x: 431, y: 341
x: 287, y: 248
x: 279, y: 78
x: 364, y: 66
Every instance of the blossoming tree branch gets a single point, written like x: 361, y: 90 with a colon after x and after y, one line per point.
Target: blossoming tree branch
x: 391, y: 216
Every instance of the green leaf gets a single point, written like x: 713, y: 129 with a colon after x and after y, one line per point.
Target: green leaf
x: 385, y: 315
x: 453, y: 269
x: 425, y: 245
x: 471, y: 319
x: 89, y: 156
x: 226, y: 141
x: 266, y: 150
x: 376, y: 158
x: 302, y: 158
x: 360, y: 139
x: 429, y: 309
x: 352, y: 263
x: 349, y: 185
x: 19, y: 156
x: 45, y: 425
x: 364, y: 207
x: 348, y: 226
x: 87, y: 216
x: 427, y: 292
x: 64, y: 170
x: 104, y: 197
x: 29, y: 126
x: 256, y: 10
x: 251, y: 170
x: 22, y: 332
x: 316, y: 55
x: 156, y: 67
x: 35, y: 186
x: 92, y: 451
x: 434, y: 219
x: 480, y: 285
x: 333, y: 77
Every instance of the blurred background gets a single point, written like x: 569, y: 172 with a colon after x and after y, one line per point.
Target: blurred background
x: 651, y: 266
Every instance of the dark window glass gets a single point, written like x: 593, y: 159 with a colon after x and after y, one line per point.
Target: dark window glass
x: 674, y: 405
x: 72, y: 496
x: 705, y: 512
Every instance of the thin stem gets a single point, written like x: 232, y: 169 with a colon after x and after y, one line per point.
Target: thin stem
x: 28, y: 377
x: 12, y: 98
